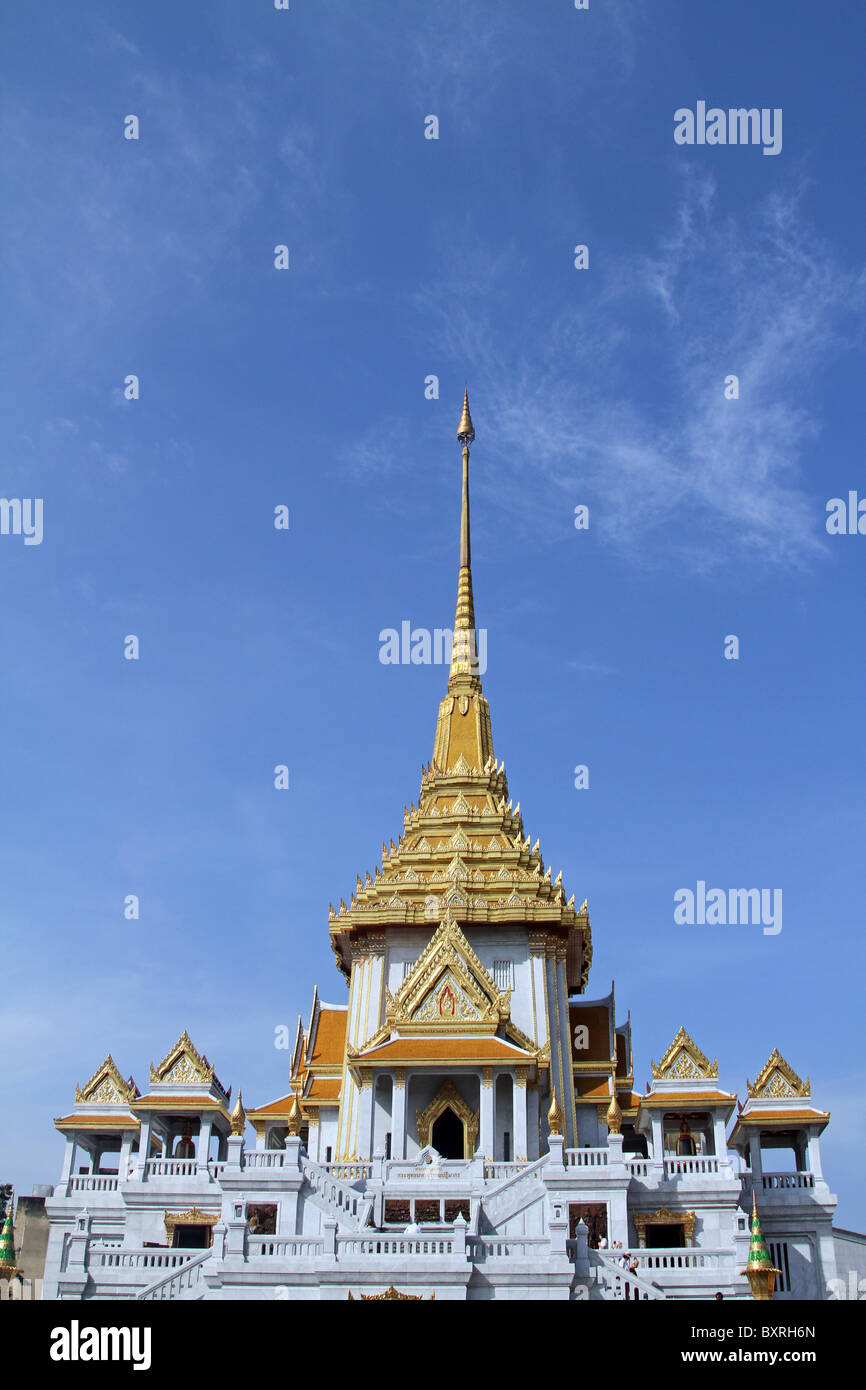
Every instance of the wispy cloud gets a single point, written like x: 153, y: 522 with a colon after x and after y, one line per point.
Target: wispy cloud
x: 691, y: 476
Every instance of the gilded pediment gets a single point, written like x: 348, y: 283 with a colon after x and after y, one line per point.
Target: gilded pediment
x: 107, y: 1087
x: 182, y: 1065
x: 448, y: 988
x: 684, y: 1061
x: 777, y: 1080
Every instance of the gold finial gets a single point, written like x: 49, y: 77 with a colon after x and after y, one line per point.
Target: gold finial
x: 464, y: 677
x: 239, y: 1115
x: 614, y: 1115
x: 465, y: 431
x: 296, y: 1118
x: 554, y: 1114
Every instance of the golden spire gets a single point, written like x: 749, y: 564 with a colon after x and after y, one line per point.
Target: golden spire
x: 238, y: 1115
x: 465, y: 432
x: 464, y: 677
x: 554, y: 1114
x: 296, y: 1118
x: 614, y: 1114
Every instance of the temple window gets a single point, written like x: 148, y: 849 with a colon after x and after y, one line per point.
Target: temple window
x: 503, y: 974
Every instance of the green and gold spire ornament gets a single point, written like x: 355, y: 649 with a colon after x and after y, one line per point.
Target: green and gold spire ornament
x: 8, y: 1267
x: 760, y: 1270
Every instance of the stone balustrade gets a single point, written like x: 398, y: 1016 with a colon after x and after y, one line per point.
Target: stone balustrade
x: 264, y: 1158
x: 399, y: 1245
x: 172, y: 1167
x: 786, y: 1182
x: 143, y: 1259
x: 92, y: 1182
x: 698, y: 1165
x: 287, y: 1247
x: 586, y: 1158
x: 483, y: 1248
x: 496, y: 1172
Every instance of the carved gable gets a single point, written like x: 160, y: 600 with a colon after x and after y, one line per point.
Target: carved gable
x: 447, y: 1002
x: 684, y: 1061
x: 777, y: 1080
x: 107, y: 1087
x: 448, y: 988
x: 183, y: 1066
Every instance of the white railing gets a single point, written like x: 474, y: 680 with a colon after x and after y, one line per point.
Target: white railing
x: 172, y: 1167
x: 343, y: 1201
x: 349, y: 1172
x: 264, y: 1158
x: 216, y: 1169
x: 506, y: 1247
x: 396, y: 1245
x: 586, y: 1158
x: 638, y: 1167
x: 781, y: 1181
x: 681, y: 1257
x: 700, y: 1163
x: 173, y: 1285
x: 496, y: 1172
x: 92, y: 1182
x: 158, y: 1258
x: 291, y: 1247
x: 619, y: 1283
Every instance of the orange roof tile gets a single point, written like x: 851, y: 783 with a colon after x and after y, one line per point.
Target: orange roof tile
x: 670, y: 1100
x: 769, y: 1117
x: 97, y: 1122
x: 274, y: 1107
x: 323, y: 1088
x: 330, y: 1039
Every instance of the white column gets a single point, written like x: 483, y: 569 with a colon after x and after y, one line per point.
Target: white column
x: 365, y: 1117
x: 755, y: 1159
x: 487, y: 1134
x: 203, y: 1144
x: 68, y: 1158
x: 123, y: 1163
x: 521, y: 1151
x: 721, y: 1141
x: 813, y: 1155
x: 144, y: 1144
x: 398, y: 1120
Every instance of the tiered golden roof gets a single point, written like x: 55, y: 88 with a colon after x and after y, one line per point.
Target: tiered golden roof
x: 464, y: 851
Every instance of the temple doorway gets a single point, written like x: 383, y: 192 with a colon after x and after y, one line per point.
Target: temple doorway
x: 192, y: 1237
x: 447, y: 1135
x: 665, y: 1236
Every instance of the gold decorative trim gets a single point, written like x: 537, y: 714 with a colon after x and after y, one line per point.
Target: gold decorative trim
x: 184, y: 1065
x: 107, y: 1087
x: 665, y: 1217
x: 684, y: 1061
x: 193, y: 1217
x: 448, y: 1097
x: 390, y: 1295
x: 467, y: 999
x: 777, y: 1079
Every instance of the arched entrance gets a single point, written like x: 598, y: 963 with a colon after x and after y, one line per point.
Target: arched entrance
x: 448, y: 1100
x: 448, y: 1135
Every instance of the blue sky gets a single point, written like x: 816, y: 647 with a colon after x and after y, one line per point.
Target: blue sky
x: 411, y: 257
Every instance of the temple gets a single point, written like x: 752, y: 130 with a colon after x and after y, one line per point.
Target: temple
x: 465, y: 1125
